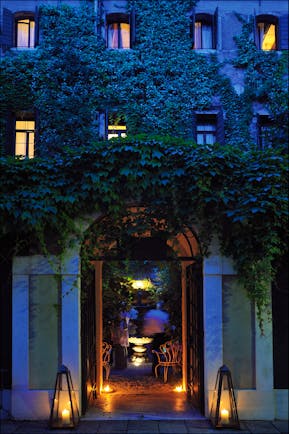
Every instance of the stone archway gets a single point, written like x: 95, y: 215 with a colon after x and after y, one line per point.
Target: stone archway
x: 150, y: 245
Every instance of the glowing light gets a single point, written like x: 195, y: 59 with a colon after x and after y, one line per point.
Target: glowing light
x: 65, y: 416
x: 224, y: 416
x: 107, y: 389
x: 178, y: 389
x: 141, y: 284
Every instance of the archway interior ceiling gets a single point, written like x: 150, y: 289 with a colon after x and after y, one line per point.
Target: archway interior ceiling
x: 136, y: 237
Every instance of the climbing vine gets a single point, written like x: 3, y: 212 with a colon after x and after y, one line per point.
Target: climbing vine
x: 232, y: 190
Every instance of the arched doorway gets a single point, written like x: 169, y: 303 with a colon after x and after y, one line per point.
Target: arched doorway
x: 150, y: 246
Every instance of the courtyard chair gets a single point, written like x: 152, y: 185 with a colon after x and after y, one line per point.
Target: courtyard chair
x: 106, y: 352
x: 170, y: 355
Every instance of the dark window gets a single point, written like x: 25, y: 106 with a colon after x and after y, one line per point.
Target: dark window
x: 209, y: 128
x: 266, y: 32
x: 265, y: 129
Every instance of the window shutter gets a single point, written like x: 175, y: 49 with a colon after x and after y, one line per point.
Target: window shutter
x: 100, y: 19
x: 132, y: 23
x: 192, y: 27
x: 215, y: 29
x: 194, y: 126
x: 106, y: 124
x: 255, y: 30
x: 220, y: 137
x: 283, y: 33
x: 36, y: 134
x: 7, y: 32
x: 10, y: 134
x: 36, y: 17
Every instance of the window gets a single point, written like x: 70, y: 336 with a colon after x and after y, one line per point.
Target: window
x: 266, y: 31
x: 118, y: 31
x: 209, y: 127
x: 25, y: 33
x: 24, y: 138
x: 204, y: 31
x: 265, y: 125
x: 206, y: 132
x: 116, y: 126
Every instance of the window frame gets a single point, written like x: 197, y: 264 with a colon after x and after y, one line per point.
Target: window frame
x: 116, y: 129
x: 265, y: 123
x: 118, y: 19
x: 31, y: 17
x: 266, y: 19
x: 29, y: 153
x: 210, y: 19
x: 213, y: 116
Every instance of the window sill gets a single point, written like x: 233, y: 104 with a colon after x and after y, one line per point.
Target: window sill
x: 22, y: 49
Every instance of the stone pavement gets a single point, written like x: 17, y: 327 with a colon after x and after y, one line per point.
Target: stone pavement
x: 142, y: 427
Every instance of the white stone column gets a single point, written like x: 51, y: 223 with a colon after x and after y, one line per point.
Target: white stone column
x: 213, y: 333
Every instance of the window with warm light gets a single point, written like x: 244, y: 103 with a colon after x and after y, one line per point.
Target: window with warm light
x: 204, y: 31
x: 266, y: 33
x: 118, y: 31
x: 24, y: 138
x: 25, y: 33
x: 116, y: 126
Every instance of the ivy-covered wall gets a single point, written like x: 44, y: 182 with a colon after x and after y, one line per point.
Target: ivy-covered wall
x: 233, y: 190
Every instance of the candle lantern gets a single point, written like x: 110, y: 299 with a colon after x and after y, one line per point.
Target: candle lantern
x: 224, y: 409
x: 64, y: 411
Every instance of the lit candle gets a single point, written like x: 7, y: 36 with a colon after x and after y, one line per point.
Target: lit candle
x: 224, y: 416
x: 65, y: 416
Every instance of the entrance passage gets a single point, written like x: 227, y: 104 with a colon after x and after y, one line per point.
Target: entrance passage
x: 137, y: 394
x: 143, y: 296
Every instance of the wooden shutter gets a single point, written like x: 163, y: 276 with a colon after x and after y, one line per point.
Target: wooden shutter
x: 10, y: 134
x: 36, y: 17
x: 132, y: 23
x: 192, y: 27
x: 100, y: 19
x: 194, y: 126
x: 220, y: 136
x: 7, y: 32
x: 283, y: 33
x: 255, y: 30
x: 215, y: 29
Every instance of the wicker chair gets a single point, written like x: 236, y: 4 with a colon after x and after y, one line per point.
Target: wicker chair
x: 106, y: 352
x: 170, y: 354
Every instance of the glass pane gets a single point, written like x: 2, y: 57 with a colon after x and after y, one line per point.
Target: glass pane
x: 32, y: 34
x: 23, y: 33
x: 200, y: 139
x: 269, y: 39
x: 31, y: 145
x: 112, y: 35
x: 20, y: 144
x: 124, y: 36
x: 238, y: 342
x: 198, y: 35
x: 207, y: 36
x: 43, y: 331
x: 25, y: 125
x: 206, y: 127
x: 210, y: 139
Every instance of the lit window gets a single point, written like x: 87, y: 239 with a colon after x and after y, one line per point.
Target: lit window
x: 206, y: 131
x: 24, y: 138
x: 204, y: 30
x: 267, y: 36
x: 203, y: 35
x: 116, y: 126
x: 118, y: 31
x: 25, y: 33
x: 266, y: 31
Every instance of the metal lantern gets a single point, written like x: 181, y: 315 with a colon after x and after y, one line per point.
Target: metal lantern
x: 224, y: 409
x: 64, y: 411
